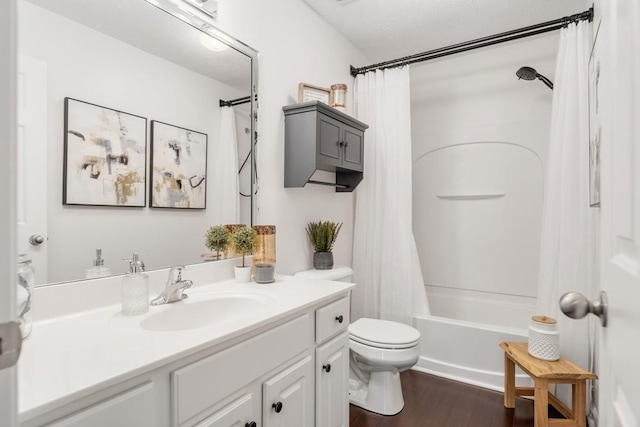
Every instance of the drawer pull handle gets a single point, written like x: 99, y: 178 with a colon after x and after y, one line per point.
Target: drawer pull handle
x: 339, y: 318
x: 277, y: 407
x: 327, y: 367
x: 251, y: 424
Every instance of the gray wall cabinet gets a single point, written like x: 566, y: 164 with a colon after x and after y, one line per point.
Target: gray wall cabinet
x: 318, y: 137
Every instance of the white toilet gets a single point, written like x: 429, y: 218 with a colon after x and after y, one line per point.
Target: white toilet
x: 380, y: 350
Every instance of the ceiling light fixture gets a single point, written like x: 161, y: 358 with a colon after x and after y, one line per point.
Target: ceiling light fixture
x: 212, y: 43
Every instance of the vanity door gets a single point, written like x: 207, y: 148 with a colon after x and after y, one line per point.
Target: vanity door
x: 240, y: 412
x: 332, y: 382
x: 287, y: 397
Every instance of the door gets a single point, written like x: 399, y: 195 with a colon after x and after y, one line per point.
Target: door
x: 8, y: 376
x: 353, y: 148
x: 287, y: 398
x: 31, y: 165
x: 619, y: 349
x: 238, y: 413
x: 332, y: 387
x: 329, y: 141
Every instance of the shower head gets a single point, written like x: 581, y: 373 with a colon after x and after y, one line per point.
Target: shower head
x: 528, y: 73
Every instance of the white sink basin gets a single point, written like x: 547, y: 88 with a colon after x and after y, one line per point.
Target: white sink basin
x: 216, y: 309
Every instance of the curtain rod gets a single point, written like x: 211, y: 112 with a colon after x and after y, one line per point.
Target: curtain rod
x: 477, y: 43
x: 237, y: 101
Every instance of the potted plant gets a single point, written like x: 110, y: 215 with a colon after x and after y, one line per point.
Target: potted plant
x: 322, y: 236
x: 216, y: 239
x: 242, y: 241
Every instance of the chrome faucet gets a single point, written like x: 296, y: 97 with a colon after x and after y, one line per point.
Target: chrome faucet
x: 174, y: 290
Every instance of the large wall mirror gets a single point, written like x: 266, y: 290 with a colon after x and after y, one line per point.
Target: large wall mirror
x: 161, y: 60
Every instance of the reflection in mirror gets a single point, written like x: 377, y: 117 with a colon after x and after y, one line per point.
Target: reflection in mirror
x: 157, y: 61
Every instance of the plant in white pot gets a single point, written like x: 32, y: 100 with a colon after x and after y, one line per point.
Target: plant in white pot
x: 242, y: 241
x: 322, y: 236
x: 216, y: 239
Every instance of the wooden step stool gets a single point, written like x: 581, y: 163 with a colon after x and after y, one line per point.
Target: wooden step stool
x: 543, y: 373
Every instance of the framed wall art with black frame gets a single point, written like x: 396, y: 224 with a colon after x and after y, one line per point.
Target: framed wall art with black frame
x: 104, y: 161
x: 178, y: 167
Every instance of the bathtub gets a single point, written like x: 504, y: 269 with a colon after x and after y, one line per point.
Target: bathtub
x: 460, y: 338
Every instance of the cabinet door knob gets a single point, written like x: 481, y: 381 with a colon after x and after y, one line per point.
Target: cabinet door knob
x: 327, y: 367
x: 339, y: 318
x: 251, y: 424
x: 345, y: 144
x: 340, y: 143
x: 277, y: 407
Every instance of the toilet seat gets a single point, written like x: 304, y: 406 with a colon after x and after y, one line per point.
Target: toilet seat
x: 383, y: 334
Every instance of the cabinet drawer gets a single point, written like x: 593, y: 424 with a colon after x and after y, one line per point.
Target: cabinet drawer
x: 200, y: 385
x: 134, y: 407
x: 332, y: 319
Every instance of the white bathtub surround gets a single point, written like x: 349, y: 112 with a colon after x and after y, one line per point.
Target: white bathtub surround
x: 466, y: 351
x: 567, y: 227
x: 385, y: 258
x: 225, y: 174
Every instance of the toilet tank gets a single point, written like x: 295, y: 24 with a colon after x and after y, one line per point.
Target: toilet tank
x: 337, y: 273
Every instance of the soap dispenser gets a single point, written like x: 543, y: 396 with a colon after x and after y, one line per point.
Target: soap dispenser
x: 98, y: 269
x: 135, y: 288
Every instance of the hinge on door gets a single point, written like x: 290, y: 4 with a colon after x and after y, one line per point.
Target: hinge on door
x: 10, y: 344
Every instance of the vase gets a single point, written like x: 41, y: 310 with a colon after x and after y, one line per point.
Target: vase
x: 243, y: 274
x: 323, y: 260
x: 264, y: 273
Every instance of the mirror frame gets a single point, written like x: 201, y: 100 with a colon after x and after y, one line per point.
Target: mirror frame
x: 193, y: 14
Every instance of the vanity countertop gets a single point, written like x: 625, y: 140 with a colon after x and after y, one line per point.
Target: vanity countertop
x: 71, y: 356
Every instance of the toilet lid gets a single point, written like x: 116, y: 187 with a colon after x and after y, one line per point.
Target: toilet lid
x: 383, y: 333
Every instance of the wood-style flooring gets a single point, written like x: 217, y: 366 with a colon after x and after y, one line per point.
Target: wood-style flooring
x: 431, y: 401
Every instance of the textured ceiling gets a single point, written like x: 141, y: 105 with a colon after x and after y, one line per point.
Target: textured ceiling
x: 389, y: 29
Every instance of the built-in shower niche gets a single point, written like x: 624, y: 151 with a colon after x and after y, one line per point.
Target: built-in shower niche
x: 477, y: 215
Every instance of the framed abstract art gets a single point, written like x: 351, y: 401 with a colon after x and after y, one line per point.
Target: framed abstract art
x: 104, y: 156
x: 178, y: 167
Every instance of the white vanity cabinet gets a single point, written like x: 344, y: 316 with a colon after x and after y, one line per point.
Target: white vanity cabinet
x: 332, y: 365
x: 275, y: 374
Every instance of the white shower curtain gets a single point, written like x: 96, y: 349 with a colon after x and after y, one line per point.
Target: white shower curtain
x: 385, y: 259
x: 567, y: 229
x: 226, y: 209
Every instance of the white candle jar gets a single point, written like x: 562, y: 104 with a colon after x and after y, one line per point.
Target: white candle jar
x: 544, y: 339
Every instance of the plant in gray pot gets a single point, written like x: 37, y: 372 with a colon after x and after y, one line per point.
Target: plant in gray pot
x: 242, y: 241
x: 322, y: 236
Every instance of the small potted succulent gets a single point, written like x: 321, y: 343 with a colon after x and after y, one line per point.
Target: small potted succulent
x: 322, y: 236
x: 242, y: 241
x: 216, y: 239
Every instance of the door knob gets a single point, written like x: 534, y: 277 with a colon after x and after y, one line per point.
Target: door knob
x: 576, y: 306
x: 36, y: 239
x: 277, y: 407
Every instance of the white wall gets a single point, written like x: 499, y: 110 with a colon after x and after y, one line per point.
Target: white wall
x: 295, y: 46
x: 92, y: 67
x: 477, y: 129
